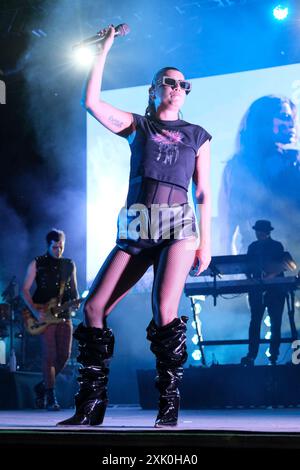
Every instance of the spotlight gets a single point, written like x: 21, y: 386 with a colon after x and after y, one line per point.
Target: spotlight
x: 196, y: 355
x: 83, y: 56
x: 267, y: 321
x: 196, y: 325
x: 84, y: 294
x: 268, y: 354
x: 268, y: 335
x: 195, y: 339
x: 280, y: 12
x: 197, y: 308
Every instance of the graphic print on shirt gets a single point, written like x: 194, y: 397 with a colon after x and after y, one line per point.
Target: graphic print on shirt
x: 168, y: 151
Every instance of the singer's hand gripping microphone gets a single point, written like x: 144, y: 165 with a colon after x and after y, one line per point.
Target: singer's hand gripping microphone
x: 120, y: 30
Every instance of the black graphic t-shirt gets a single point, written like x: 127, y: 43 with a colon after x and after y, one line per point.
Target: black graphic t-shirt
x: 165, y: 150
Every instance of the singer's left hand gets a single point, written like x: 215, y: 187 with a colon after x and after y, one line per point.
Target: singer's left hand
x: 202, y: 258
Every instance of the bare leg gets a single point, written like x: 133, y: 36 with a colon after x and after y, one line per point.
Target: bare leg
x: 49, y: 355
x: 63, y: 345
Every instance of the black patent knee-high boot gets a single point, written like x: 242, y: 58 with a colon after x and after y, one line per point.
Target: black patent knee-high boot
x: 168, y: 343
x: 96, y: 347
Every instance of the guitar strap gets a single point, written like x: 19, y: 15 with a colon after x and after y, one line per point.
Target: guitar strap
x: 61, y: 291
x: 63, y: 280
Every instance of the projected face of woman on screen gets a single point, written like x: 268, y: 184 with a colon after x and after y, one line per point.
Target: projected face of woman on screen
x: 263, y: 176
x: 284, y: 124
x: 269, y: 120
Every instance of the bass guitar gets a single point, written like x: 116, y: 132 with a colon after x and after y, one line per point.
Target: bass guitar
x: 53, y: 313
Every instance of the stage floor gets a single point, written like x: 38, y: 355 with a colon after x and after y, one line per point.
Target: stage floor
x: 128, y: 430
x: 134, y: 418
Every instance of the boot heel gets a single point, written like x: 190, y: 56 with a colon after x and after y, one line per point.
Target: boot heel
x: 168, y: 412
x: 91, y: 413
x: 97, y: 413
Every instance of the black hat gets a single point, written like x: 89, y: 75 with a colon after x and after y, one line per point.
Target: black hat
x: 263, y: 226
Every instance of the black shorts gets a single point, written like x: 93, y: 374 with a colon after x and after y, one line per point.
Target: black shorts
x: 141, y: 228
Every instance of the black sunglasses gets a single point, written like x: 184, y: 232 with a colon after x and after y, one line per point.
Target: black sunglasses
x: 172, y: 82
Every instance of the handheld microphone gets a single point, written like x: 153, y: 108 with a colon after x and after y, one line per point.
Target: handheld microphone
x: 120, y: 30
x: 194, y: 269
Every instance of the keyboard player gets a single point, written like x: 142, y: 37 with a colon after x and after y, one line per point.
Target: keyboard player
x: 264, y: 255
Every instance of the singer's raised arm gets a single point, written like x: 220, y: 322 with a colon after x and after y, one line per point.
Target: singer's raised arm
x: 112, y: 118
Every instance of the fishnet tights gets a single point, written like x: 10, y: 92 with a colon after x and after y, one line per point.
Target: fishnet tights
x: 121, y: 271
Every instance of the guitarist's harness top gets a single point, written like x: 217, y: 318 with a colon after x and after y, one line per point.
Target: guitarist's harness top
x: 51, y: 274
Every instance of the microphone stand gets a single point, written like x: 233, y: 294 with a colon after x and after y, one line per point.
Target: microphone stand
x: 8, y: 295
x: 12, y: 353
x: 290, y: 300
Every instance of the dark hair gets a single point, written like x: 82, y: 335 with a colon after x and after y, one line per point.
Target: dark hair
x: 150, y: 110
x: 55, y: 235
x: 256, y: 127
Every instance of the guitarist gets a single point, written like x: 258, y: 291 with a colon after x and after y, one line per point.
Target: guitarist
x: 55, y: 277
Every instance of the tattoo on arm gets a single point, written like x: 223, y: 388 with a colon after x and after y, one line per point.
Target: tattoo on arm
x: 115, y: 122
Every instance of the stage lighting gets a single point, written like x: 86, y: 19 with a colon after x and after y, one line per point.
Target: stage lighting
x: 84, y: 56
x: 196, y: 325
x: 268, y: 335
x: 280, y: 12
x: 196, y: 355
x: 267, y: 321
x: 198, y: 308
x: 197, y: 298
x: 268, y: 354
x: 195, y: 339
x: 84, y: 294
